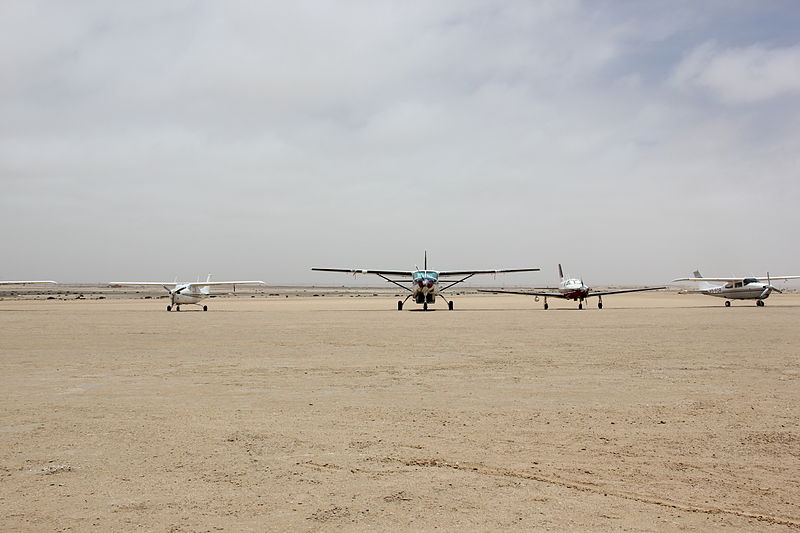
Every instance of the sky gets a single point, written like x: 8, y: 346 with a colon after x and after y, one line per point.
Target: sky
x: 631, y: 141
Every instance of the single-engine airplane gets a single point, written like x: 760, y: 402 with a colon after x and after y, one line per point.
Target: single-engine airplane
x: 185, y: 293
x: 736, y: 288
x: 573, y: 289
x: 423, y: 285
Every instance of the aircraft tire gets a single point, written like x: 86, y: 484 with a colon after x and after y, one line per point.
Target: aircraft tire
x: 399, y: 305
x: 169, y: 308
x: 727, y: 303
x: 580, y: 306
x: 546, y: 307
x: 177, y: 308
x: 425, y: 306
x: 205, y: 308
x: 760, y: 303
x: 450, y: 305
x: 599, y: 305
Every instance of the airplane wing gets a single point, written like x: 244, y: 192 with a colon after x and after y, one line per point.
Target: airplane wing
x: 141, y: 283
x: 473, y: 272
x: 622, y: 291
x: 213, y: 283
x: 26, y: 282
x: 526, y: 293
x: 362, y: 271
x: 761, y: 278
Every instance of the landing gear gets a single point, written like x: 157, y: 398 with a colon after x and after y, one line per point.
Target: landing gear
x: 546, y: 307
x: 727, y: 303
x: 399, y: 305
x: 177, y: 307
x: 580, y: 305
x: 424, y: 306
x: 205, y: 308
x: 169, y: 308
x: 760, y: 303
x: 450, y: 305
x: 599, y: 302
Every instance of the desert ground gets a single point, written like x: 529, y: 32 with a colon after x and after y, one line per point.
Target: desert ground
x: 336, y: 412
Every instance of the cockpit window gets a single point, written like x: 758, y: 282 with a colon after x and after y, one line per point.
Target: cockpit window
x: 747, y: 281
x: 420, y: 274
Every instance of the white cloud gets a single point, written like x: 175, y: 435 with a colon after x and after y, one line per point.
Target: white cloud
x: 741, y: 74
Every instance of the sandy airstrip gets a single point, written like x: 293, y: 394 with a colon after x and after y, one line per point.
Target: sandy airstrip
x: 662, y: 412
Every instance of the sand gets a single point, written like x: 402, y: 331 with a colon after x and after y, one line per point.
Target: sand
x: 662, y: 412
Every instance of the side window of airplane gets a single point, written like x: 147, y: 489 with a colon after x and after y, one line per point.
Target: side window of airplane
x: 737, y: 284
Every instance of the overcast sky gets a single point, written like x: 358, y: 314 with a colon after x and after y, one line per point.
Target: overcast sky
x: 631, y: 141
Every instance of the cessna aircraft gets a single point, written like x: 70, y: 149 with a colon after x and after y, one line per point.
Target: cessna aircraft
x: 736, y: 288
x: 573, y: 289
x: 185, y: 293
x: 424, y: 284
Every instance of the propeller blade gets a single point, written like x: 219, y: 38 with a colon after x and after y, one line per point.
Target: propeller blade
x: 167, y: 289
x: 766, y: 292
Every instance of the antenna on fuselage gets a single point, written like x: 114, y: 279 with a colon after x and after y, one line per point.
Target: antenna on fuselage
x: 560, y: 272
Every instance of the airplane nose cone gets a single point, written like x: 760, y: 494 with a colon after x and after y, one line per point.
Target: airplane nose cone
x: 430, y: 284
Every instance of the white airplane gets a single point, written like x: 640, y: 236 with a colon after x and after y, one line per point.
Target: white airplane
x: 185, y: 293
x: 736, y: 288
x: 424, y: 283
x: 573, y: 289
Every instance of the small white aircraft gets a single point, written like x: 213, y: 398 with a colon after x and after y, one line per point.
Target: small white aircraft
x: 573, y: 289
x: 736, y: 288
x: 185, y: 293
x: 424, y: 283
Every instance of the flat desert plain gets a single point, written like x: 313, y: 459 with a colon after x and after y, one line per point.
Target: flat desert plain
x: 661, y: 412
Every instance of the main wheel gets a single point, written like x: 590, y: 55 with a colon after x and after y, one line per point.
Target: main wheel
x: 580, y: 306
x: 205, y: 308
x: 399, y: 305
x: 169, y: 308
x: 727, y: 303
x: 546, y: 307
x: 450, y: 305
x: 599, y: 305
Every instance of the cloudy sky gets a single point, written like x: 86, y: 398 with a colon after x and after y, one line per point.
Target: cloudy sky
x: 631, y: 141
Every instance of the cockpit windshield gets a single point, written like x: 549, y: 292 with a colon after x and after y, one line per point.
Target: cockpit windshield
x: 425, y: 274
x: 748, y: 281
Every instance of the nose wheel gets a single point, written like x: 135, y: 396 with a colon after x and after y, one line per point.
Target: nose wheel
x: 727, y: 303
x: 205, y: 308
x: 760, y: 303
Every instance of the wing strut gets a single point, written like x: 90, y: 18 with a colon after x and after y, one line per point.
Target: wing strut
x: 455, y: 283
x: 393, y: 281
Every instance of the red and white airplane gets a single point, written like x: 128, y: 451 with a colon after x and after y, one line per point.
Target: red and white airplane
x: 573, y: 289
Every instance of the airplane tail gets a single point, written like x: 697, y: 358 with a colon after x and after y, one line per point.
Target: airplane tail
x: 206, y: 289
x: 697, y: 274
x: 426, y: 260
x: 560, y: 272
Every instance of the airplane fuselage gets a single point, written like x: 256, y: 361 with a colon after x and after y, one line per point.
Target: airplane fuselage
x: 425, y: 284
x: 573, y: 289
x: 748, y: 289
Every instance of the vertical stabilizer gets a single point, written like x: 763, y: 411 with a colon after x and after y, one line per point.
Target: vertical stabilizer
x: 425, y: 267
x: 560, y: 272
x: 697, y: 274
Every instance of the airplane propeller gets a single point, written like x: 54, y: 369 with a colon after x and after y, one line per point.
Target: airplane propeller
x: 768, y: 288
